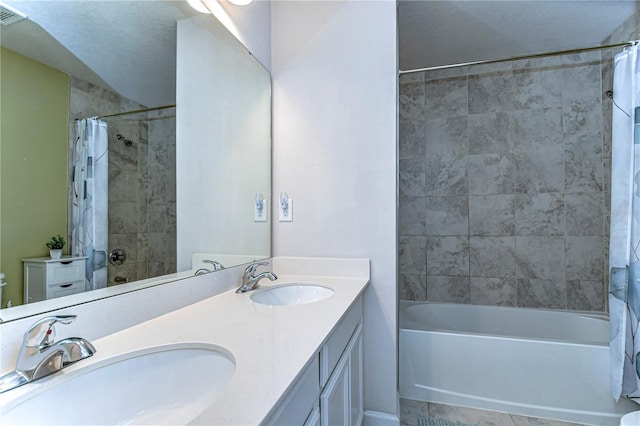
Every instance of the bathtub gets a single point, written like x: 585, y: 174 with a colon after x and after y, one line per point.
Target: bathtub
x: 530, y: 362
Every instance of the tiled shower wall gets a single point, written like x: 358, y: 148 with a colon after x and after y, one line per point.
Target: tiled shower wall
x: 141, y: 181
x: 502, y: 185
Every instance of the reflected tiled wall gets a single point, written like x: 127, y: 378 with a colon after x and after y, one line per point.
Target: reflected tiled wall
x: 141, y: 181
x: 502, y: 184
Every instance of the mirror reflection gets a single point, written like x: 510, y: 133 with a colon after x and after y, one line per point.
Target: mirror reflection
x: 138, y: 131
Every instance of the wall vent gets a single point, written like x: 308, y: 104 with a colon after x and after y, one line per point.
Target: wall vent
x: 9, y: 15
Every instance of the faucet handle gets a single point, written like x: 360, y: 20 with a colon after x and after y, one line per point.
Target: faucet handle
x: 249, y: 270
x: 42, y: 333
x: 217, y: 266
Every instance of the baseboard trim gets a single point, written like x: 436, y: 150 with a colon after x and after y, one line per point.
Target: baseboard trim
x: 375, y: 418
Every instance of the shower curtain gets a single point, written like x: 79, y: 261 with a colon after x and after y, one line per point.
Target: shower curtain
x: 624, y: 251
x: 89, y: 199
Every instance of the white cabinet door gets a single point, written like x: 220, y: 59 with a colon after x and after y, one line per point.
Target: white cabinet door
x: 356, y: 382
x: 334, y: 401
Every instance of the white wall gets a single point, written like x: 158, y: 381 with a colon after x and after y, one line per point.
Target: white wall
x: 223, y: 157
x: 251, y: 24
x: 334, y: 96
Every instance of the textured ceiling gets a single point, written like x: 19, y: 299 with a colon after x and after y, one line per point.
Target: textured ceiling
x: 127, y: 46
x: 446, y: 32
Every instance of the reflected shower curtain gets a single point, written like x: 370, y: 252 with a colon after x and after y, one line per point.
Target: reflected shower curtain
x: 89, y: 199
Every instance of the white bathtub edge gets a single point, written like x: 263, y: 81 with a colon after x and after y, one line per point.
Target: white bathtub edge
x: 376, y: 418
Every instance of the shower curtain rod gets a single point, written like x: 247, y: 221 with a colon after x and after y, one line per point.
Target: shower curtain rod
x: 131, y: 112
x: 515, y: 58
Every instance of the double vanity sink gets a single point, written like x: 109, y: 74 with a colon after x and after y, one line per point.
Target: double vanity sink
x: 230, y: 359
x: 165, y: 386
x: 291, y: 294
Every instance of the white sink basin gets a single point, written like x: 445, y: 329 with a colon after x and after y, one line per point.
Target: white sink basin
x: 171, y: 385
x: 291, y: 294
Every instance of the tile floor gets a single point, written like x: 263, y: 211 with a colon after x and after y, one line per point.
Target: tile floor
x: 411, y: 410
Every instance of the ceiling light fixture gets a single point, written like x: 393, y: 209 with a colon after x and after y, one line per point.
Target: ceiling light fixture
x: 240, y: 2
x: 198, y: 5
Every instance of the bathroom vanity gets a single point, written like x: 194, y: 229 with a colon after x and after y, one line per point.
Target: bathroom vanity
x: 289, y: 352
x: 46, y: 278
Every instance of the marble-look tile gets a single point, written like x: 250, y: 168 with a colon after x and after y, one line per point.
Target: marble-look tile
x: 126, y: 271
x: 492, y: 215
x: 537, y: 88
x: 412, y: 177
x: 412, y: 255
x: 447, y: 216
x: 446, y: 175
x: 540, y: 214
x: 123, y: 217
x: 411, y: 99
x: 448, y: 289
x: 540, y: 258
x: 584, y: 170
x: 469, y: 415
x: 493, y: 291
x: 491, y: 174
x: 411, y: 411
x: 157, y: 188
x: 537, y: 293
x: 447, y: 136
x: 142, y: 270
x: 414, y: 77
x: 586, y: 295
x: 585, y: 258
x: 446, y: 98
x: 412, y: 216
x: 537, y: 129
x: 412, y: 287
x: 491, y: 92
x: 607, y: 195
x: 446, y: 73
x: 142, y: 246
x: 582, y: 119
x: 541, y: 170
x: 162, y: 253
x: 492, y: 257
x: 121, y: 157
x: 556, y: 62
x: 491, y: 133
x: 447, y: 256
x: 126, y: 242
x: 122, y: 185
x: 168, y: 223
x: 584, y: 214
x: 581, y: 84
x: 411, y: 139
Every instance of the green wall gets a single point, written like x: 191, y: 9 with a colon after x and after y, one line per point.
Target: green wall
x: 34, y: 117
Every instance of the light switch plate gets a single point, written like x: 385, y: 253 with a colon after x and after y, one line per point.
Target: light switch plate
x: 288, y: 217
x: 260, y: 215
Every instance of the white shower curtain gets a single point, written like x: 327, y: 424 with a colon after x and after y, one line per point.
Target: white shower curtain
x: 624, y: 251
x: 89, y: 199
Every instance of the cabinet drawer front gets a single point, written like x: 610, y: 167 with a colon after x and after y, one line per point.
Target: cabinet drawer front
x: 64, y: 289
x: 332, y: 350
x: 58, y: 273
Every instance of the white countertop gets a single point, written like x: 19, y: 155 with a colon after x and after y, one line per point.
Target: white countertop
x: 271, y: 345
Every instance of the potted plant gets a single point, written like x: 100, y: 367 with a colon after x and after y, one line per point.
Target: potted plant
x: 55, y: 244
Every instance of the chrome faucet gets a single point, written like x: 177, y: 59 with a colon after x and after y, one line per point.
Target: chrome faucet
x: 217, y: 266
x: 40, y: 356
x: 250, y: 281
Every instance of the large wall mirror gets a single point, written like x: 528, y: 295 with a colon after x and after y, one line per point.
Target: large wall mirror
x: 183, y: 111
